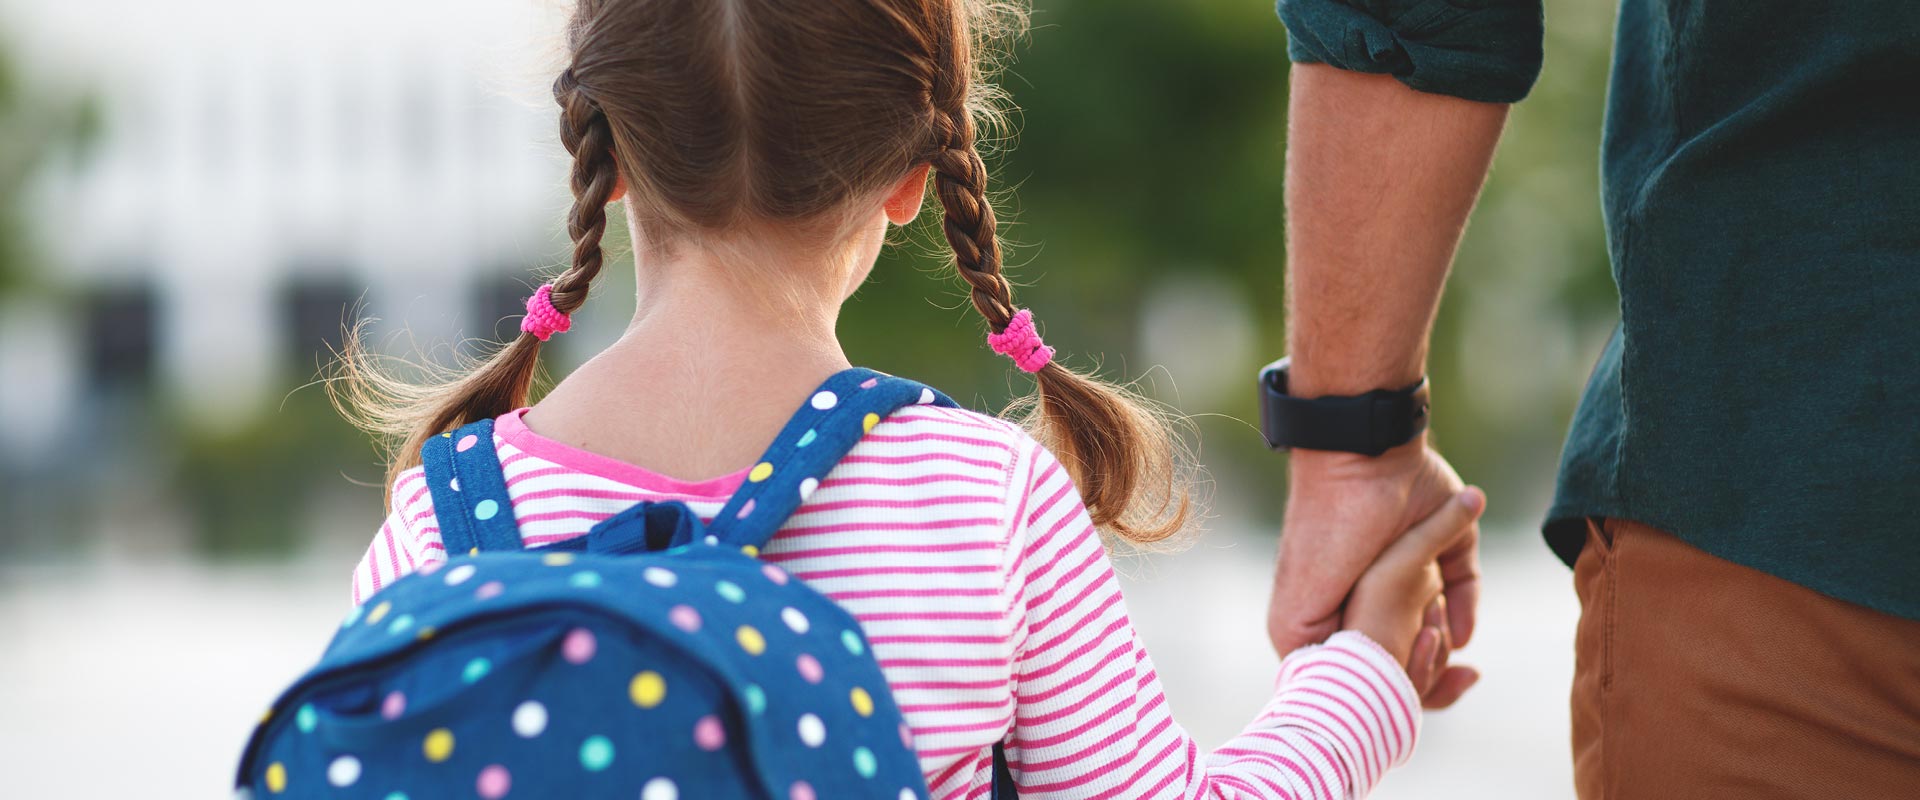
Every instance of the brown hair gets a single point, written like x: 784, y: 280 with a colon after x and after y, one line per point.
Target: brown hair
x: 720, y: 113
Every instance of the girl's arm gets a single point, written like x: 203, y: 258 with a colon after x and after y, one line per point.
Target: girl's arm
x: 1091, y: 719
x: 408, y: 540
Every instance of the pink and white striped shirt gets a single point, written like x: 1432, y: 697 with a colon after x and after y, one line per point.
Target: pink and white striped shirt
x: 964, y: 549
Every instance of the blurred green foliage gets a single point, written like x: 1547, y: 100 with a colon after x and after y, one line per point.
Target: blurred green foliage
x: 1150, y: 149
x: 34, y: 129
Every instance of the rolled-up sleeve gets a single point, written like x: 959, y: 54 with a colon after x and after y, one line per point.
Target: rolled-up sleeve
x: 1485, y: 50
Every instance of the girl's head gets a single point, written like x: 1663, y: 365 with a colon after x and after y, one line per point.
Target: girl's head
x: 721, y: 121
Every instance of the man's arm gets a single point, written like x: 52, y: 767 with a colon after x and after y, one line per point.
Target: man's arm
x: 1380, y: 180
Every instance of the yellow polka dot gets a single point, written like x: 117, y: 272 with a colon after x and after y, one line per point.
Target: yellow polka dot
x: 425, y: 633
x: 447, y: 435
x: 557, y: 559
x: 276, y: 777
x: 761, y: 472
x: 870, y: 421
x: 862, y: 702
x: 647, y: 689
x: 266, y: 715
x: 750, y: 640
x: 438, y: 746
x: 378, y: 612
x: 751, y: 551
x: 474, y: 552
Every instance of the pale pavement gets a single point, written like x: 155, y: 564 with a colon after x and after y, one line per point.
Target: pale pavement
x: 123, y: 680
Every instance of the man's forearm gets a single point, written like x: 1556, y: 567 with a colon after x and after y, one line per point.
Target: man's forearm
x: 1380, y: 180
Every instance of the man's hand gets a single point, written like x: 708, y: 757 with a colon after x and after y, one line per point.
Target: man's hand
x: 1343, y: 510
x: 1380, y: 180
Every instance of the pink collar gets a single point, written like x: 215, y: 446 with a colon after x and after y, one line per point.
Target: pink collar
x: 514, y: 430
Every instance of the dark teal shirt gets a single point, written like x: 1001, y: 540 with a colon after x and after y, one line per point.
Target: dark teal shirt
x: 1761, y: 188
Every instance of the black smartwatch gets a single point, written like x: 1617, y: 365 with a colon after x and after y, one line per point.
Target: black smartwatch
x: 1368, y: 424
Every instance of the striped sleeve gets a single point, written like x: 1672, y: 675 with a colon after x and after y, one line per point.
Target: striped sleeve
x: 1092, y: 721
x: 408, y: 540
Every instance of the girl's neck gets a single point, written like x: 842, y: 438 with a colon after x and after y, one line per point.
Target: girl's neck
x: 717, y: 356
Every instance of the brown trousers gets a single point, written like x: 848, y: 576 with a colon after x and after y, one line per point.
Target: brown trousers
x: 1695, y: 677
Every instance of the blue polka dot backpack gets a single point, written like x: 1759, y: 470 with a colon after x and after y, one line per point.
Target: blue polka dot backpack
x: 654, y: 658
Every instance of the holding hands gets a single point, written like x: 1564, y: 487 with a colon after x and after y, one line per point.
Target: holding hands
x: 1386, y: 546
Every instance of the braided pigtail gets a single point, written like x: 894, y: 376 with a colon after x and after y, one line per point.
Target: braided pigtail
x: 405, y: 413
x: 1118, y: 447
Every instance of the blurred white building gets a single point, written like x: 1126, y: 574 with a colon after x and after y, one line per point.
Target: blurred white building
x: 260, y: 168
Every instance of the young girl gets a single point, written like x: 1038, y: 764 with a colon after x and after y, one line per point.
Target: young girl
x: 761, y: 149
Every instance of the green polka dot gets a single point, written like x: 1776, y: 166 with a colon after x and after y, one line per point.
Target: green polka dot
x: 306, y: 718
x: 400, y: 624
x: 485, y: 509
x: 352, y: 617
x: 731, y: 591
x: 756, y: 699
x: 864, y: 762
x: 475, y: 670
x: 397, y: 796
x: 585, y: 580
x: 852, y: 641
x: 596, y: 753
x: 806, y: 438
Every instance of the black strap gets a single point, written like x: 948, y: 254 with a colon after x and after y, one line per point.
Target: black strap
x: 1003, y: 787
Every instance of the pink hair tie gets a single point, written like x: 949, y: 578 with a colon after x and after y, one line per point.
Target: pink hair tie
x: 1020, y: 342
x: 542, y: 319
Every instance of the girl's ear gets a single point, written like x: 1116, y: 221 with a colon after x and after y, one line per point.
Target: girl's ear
x: 619, y: 187
x: 903, y: 203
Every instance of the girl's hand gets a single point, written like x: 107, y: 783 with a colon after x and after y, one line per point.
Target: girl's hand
x: 1398, y: 601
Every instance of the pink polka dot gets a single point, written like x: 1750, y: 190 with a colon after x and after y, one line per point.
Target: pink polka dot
x: 578, y: 647
x: 745, y: 509
x: 775, y: 574
x: 393, y: 706
x: 906, y: 735
x: 494, y: 782
x: 466, y: 443
x: 869, y: 383
x: 489, y: 590
x: 801, y: 790
x: 684, y: 618
x: 810, y: 668
x: 709, y: 733
x: 431, y: 567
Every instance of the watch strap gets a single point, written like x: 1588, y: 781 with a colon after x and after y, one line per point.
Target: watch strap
x: 1368, y: 424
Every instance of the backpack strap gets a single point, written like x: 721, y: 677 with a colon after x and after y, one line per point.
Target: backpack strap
x: 470, y: 499
x: 834, y: 418
x: 1003, y: 785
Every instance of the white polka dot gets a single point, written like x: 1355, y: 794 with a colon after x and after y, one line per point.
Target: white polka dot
x: 807, y: 486
x: 926, y: 396
x: 660, y: 577
x: 660, y: 789
x: 825, y: 400
x: 794, y: 619
x: 713, y: 540
x: 344, y: 771
x: 530, y: 719
x: 459, y: 574
x: 812, y: 731
x: 454, y: 484
x: 907, y: 794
